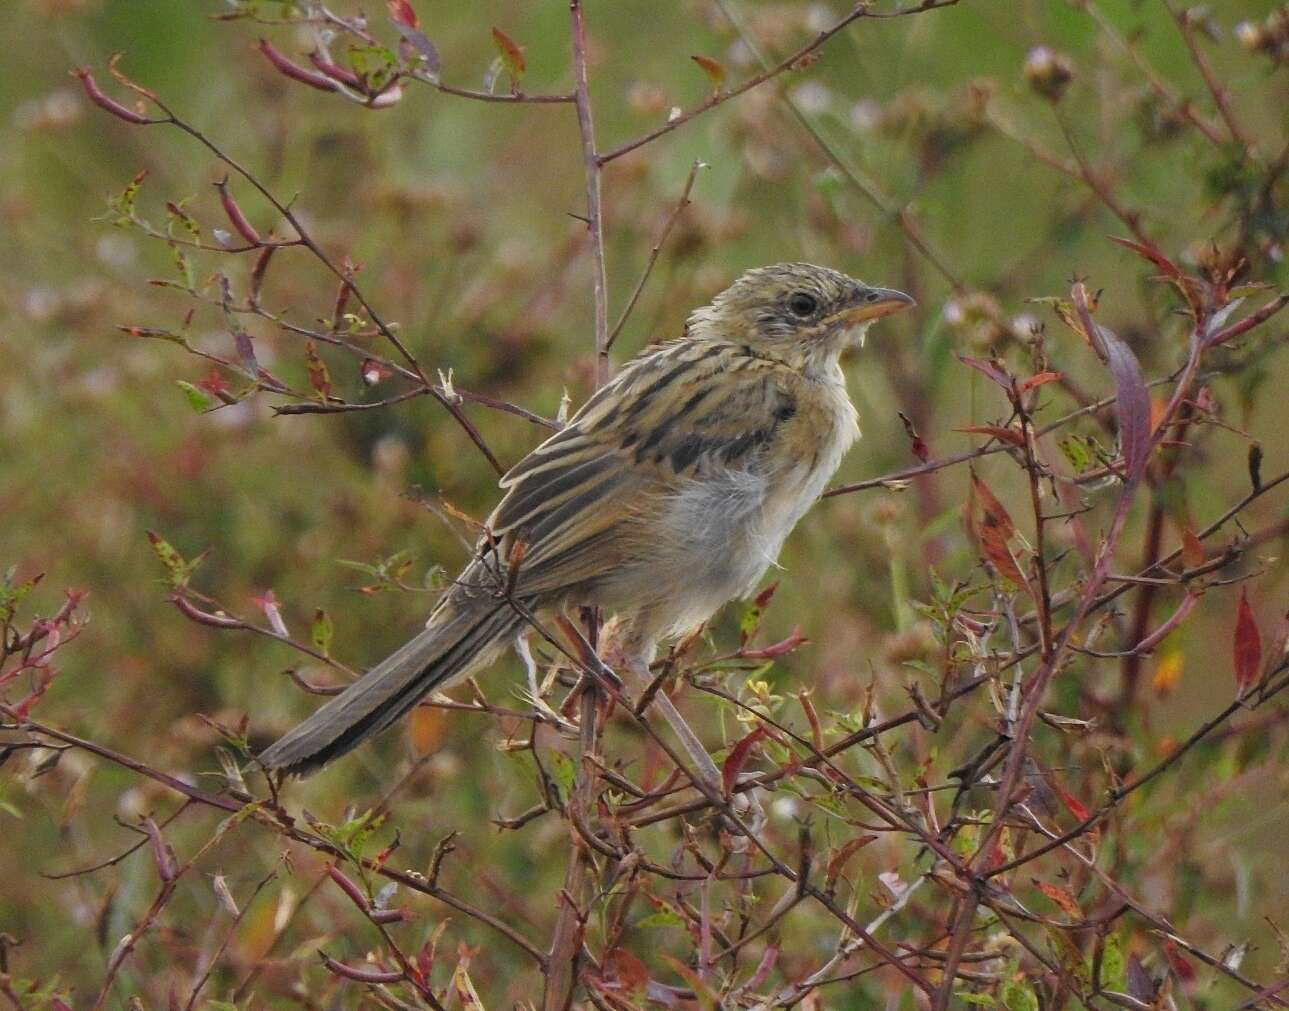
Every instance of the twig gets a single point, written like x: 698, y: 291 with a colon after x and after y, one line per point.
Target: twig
x: 866, y: 186
x: 592, y: 164
x: 653, y: 253
x: 1215, y: 88
x: 721, y: 97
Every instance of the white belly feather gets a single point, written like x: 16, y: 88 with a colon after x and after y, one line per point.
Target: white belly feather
x: 718, y: 535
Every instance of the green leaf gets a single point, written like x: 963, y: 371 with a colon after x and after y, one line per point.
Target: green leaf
x: 321, y: 631
x: 122, y: 205
x: 662, y: 918
x: 1113, y: 967
x: 376, y: 65
x: 184, y: 266
x: 11, y: 596
x: 174, y: 562
x: 964, y: 841
x: 363, y: 567
x: 1017, y: 996
x: 178, y: 216
x: 562, y: 771
x: 198, y: 399
x: 351, y: 836
x: 750, y: 622
x: 979, y: 999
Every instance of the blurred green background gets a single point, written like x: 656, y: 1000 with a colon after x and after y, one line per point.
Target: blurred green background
x: 459, y: 213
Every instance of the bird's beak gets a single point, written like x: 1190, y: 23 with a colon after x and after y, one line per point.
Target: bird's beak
x: 874, y: 303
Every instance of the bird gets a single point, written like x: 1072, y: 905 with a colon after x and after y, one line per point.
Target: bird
x: 667, y: 494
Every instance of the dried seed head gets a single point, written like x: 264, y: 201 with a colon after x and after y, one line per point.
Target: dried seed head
x: 1048, y: 72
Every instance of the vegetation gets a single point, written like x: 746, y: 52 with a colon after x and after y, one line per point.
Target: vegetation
x: 287, y: 286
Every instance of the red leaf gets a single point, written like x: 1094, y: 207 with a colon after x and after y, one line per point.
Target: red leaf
x: 626, y: 970
x: 401, y: 12
x: 737, y: 758
x: 1042, y: 379
x: 1246, y: 646
x: 319, y: 376
x: 1076, y: 807
x: 1062, y: 898
x: 994, y: 513
x: 920, y: 449
x: 993, y: 531
x: 997, y: 431
x: 847, y: 850
x: 1150, y: 253
x: 1185, y: 971
x: 1193, y: 553
x: 215, y: 384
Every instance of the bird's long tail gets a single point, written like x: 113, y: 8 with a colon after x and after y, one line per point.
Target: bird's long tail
x: 459, y: 635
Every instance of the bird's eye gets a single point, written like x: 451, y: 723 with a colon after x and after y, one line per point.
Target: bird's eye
x: 802, y: 304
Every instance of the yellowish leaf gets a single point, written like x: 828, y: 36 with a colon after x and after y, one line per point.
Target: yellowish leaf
x: 511, y: 53
x: 1167, y: 673
x: 713, y: 69
x: 425, y: 729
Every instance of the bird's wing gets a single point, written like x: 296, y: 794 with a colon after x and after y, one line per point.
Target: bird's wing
x: 688, y: 410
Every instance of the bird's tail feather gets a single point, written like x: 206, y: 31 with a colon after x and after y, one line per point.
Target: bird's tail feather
x: 454, y: 641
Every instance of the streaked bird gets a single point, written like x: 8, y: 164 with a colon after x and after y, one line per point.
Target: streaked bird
x: 669, y: 493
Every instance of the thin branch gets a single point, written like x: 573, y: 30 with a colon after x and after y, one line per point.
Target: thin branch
x: 679, y: 209
x: 721, y: 97
x: 592, y: 164
x: 863, y: 184
x: 306, y: 239
x: 1215, y: 88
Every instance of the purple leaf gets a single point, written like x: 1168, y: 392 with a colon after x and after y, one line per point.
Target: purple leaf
x: 418, y: 41
x: 1133, y: 400
x: 1140, y: 983
x: 997, y: 374
x: 246, y: 350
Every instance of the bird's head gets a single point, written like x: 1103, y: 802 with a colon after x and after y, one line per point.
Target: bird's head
x: 796, y: 311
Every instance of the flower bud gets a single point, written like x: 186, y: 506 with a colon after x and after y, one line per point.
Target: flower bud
x: 1048, y: 72
x: 97, y: 96
x: 293, y: 70
x: 238, y: 220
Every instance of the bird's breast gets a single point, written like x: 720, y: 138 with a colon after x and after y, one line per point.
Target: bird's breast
x: 723, y: 530
x: 812, y: 449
